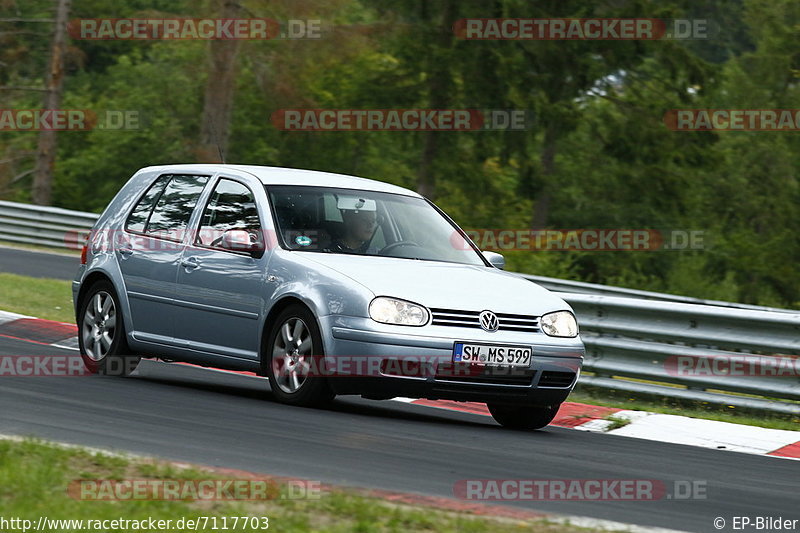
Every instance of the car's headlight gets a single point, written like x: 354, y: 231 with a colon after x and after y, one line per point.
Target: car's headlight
x: 393, y: 311
x: 559, y: 324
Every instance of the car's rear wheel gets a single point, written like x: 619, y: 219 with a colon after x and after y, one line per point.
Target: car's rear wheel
x: 525, y: 417
x: 292, y: 358
x: 101, y: 337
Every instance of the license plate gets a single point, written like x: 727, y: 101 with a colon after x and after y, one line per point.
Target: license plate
x: 492, y: 354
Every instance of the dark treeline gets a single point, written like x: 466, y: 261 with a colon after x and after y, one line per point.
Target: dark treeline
x: 597, y: 153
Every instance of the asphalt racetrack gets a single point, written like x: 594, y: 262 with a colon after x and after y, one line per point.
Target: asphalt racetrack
x: 213, y: 418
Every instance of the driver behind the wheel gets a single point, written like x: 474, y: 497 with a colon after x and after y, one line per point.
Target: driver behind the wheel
x: 360, y: 220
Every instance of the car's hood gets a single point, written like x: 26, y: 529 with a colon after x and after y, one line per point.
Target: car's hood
x: 444, y: 285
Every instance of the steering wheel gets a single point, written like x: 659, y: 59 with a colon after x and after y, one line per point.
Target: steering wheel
x: 397, y: 244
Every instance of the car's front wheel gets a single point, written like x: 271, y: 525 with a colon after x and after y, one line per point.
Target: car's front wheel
x: 293, y: 357
x: 102, y: 341
x: 525, y: 417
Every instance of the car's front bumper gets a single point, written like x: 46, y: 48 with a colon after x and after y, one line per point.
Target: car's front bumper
x: 554, y: 368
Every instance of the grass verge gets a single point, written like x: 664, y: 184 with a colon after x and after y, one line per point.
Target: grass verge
x: 616, y: 422
x: 37, y: 248
x: 34, y: 477
x: 50, y: 299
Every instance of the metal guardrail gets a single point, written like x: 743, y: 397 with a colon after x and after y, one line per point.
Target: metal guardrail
x: 580, y: 287
x: 46, y: 226
x: 721, y: 356
x: 634, y: 339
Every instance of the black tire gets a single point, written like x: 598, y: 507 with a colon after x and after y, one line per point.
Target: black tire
x: 101, y: 356
x: 313, y: 391
x: 523, y: 417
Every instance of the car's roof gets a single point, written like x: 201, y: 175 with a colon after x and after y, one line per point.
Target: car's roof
x: 289, y: 176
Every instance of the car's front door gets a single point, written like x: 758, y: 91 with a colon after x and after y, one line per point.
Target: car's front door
x: 221, y: 292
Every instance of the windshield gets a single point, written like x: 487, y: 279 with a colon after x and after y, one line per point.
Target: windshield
x: 348, y: 221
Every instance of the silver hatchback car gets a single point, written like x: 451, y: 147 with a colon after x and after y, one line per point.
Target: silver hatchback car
x: 326, y: 284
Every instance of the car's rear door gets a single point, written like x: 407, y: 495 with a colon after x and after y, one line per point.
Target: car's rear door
x: 149, y: 251
x: 222, y: 292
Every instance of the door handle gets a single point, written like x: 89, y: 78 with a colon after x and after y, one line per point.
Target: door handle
x: 126, y: 250
x: 190, y: 263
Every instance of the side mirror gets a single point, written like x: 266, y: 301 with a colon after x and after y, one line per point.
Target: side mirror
x: 238, y: 240
x: 495, y: 259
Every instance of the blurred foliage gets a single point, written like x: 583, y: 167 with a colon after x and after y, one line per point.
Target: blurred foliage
x: 598, y: 154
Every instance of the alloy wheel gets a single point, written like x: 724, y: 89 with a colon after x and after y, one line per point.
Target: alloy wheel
x: 99, y: 325
x: 291, y: 355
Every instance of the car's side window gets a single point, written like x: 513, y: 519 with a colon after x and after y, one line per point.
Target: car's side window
x: 232, y: 206
x: 137, y: 220
x: 174, y: 208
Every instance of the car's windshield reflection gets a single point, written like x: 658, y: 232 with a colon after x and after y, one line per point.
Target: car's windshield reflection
x: 347, y: 221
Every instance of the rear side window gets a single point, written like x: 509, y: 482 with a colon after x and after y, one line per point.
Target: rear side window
x: 141, y: 212
x: 174, y: 208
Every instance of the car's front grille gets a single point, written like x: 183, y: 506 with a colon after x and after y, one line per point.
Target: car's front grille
x: 467, y: 373
x: 469, y: 319
x: 556, y: 379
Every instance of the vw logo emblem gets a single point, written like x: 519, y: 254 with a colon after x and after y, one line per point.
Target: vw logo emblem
x: 489, y: 321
